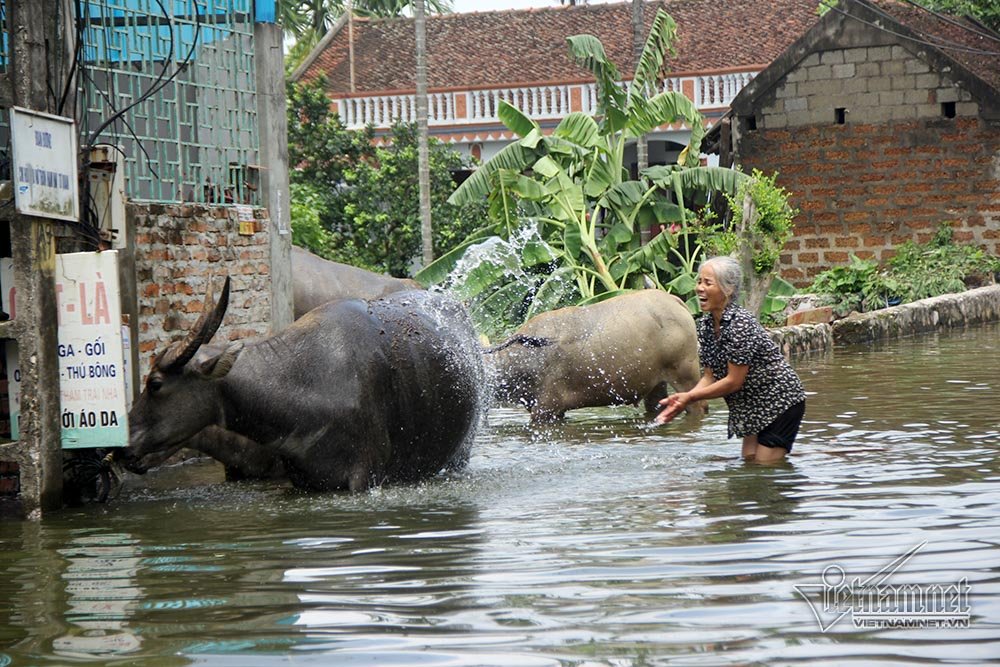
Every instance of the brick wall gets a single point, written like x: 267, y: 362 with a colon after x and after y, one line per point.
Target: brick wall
x: 178, y: 248
x: 892, y: 171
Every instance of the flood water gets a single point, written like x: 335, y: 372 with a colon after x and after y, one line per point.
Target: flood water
x: 597, y: 542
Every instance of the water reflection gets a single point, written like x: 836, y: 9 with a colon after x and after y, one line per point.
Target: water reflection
x: 102, y: 596
x: 595, y: 542
x: 744, y: 496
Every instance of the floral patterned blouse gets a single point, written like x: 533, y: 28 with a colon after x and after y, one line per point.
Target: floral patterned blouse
x: 771, y: 386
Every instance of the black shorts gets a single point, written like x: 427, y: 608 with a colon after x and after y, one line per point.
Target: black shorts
x: 782, y: 431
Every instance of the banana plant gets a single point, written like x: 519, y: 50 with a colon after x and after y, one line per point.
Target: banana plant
x: 572, y: 188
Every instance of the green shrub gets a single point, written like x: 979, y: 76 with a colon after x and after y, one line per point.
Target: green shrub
x: 772, y: 227
x: 915, y: 272
x: 939, y: 267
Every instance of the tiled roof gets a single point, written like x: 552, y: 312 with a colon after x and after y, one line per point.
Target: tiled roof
x: 968, y: 43
x: 494, y: 49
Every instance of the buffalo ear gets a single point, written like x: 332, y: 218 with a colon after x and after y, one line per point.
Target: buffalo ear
x: 219, y: 365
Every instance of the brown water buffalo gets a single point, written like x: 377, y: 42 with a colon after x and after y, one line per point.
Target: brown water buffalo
x: 316, y: 280
x: 620, y: 351
x: 353, y: 394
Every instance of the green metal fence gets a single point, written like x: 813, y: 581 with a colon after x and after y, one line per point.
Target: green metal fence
x: 172, y: 84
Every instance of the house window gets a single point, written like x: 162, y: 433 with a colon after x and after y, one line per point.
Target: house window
x: 840, y: 115
x: 749, y: 123
x: 948, y: 109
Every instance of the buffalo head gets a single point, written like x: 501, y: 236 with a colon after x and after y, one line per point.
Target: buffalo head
x: 180, y: 396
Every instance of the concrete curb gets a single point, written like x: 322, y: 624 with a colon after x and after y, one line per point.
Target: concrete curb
x: 803, y: 338
x: 976, y: 306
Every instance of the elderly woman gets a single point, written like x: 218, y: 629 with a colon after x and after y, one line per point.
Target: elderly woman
x: 740, y: 363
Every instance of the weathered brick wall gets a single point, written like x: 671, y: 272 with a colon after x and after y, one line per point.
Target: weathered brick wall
x: 178, y: 249
x: 895, y: 168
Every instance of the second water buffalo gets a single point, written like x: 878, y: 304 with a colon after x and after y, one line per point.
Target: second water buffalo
x: 623, y: 350
x: 316, y: 281
x: 353, y: 394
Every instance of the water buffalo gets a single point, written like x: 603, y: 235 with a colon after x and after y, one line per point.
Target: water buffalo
x: 316, y: 280
x: 353, y: 394
x: 618, y: 351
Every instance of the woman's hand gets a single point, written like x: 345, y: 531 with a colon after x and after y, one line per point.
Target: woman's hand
x: 674, y: 404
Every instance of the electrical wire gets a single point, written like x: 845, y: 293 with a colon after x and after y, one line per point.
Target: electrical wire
x: 138, y: 142
x: 161, y: 82
x: 939, y: 42
x: 119, y: 115
x: 76, y: 60
x: 947, y: 19
x: 942, y: 44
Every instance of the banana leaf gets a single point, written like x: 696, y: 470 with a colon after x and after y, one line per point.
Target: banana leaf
x: 603, y: 174
x: 658, y: 44
x: 567, y: 197
x: 706, y: 179
x: 647, y: 114
x: 496, y: 264
x: 477, y: 186
x: 777, y: 296
x: 524, y: 187
x: 658, y: 247
x: 515, y: 119
x: 578, y: 128
x: 623, y: 200
x: 682, y: 284
x: 558, y: 290
x: 588, y: 52
x: 500, y: 312
x: 437, y: 271
x: 537, y: 252
x: 572, y: 242
x: 546, y: 167
x: 532, y: 139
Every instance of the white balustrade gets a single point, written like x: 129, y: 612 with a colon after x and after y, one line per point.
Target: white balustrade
x: 711, y: 91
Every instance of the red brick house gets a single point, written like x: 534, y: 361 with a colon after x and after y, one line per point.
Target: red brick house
x: 883, y: 120
x: 477, y: 59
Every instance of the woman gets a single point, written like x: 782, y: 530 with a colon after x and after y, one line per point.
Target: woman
x: 740, y: 363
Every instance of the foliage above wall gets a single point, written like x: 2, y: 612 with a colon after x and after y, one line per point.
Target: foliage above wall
x: 915, y: 272
x: 356, y: 203
x: 566, y: 222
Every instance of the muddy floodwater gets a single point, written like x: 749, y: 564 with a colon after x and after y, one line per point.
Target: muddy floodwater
x: 600, y: 541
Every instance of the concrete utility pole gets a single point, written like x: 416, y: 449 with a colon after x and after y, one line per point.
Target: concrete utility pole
x: 423, y: 152
x: 272, y: 123
x: 32, y: 26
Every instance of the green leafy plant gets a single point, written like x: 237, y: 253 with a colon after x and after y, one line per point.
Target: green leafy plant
x: 915, y: 272
x: 357, y: 203
x: 939, y: 267
x: 771, y: 228
x: 568, y: 207
x: 307, y: 229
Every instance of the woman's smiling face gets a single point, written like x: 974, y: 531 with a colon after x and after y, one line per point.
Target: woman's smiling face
x: 711, y: 298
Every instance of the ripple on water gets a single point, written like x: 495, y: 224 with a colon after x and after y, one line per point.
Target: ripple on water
x: 599, y: 541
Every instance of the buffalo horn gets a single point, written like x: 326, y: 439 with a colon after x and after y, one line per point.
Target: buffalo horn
x: 201, y: 332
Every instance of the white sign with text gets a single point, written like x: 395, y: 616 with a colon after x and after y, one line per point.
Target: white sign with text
x: 44, y: 170
x: 92, y: 371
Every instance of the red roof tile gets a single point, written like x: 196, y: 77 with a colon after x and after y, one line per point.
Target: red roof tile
x: 494, y: 49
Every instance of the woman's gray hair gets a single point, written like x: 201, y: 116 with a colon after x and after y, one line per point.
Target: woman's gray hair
x: 729, y: 275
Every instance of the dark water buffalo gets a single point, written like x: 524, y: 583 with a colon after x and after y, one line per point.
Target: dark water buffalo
x: 316, y: 280
x: 353, y: 394
x: 620, y: 351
